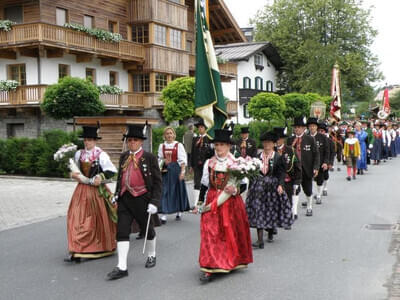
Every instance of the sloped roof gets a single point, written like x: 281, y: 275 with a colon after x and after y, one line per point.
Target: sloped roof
x: 243, y: 51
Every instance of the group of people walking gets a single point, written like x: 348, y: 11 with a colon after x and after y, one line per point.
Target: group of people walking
x: 98, y: 223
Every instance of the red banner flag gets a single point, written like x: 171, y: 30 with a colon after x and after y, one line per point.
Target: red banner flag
x: 386, y: 105
x: 336, y: 103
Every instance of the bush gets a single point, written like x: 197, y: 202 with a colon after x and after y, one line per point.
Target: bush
x: 34, y: 157
x: 72, y: 97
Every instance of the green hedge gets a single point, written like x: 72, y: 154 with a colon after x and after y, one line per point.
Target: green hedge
x: 34, y: 157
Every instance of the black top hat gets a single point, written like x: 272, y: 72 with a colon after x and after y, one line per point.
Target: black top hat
x: 323, y: 126
x: 299, y: 121
x: 90, y: 132
x: 312, y: 120
x: 135, y: 131
x: 281, y: 132
x: 269, y: 136
x: 222, y: 136
x: 244, y: 130
x: 200, y: 123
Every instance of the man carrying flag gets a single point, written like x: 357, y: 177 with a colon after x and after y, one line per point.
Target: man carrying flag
x: 209, y: 99
x: 336, y: 103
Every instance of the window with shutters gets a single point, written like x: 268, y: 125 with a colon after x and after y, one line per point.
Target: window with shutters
x: 175, y: 38
x: 140, y: 33
x: 113, y: 78
x: 88, y: 21
x: 61, y: 16
x: 160, y: 34
x: 63, y: 70
x: 91, y: 74
x: 161, y: 81
x: 141, y: 83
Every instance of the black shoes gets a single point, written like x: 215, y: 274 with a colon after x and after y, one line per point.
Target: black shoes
x: 295, y: 217
x: 71, y: 259
x: 205, y: 277
x: 309, y: 212
x: 117, y: 273
x: 304, y: 204
x: 163, y: 222
x: 178, y: 218
x: 258, y: 245
x: 140, y: 236
x: 348, y: 178
x: 354, y: 177
x: 324, y: 193
x: 319, y: 200
x: 151, y: 262
x: 361, y: 172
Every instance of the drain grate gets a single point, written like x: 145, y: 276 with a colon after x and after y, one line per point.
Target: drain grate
x: 382, y: 226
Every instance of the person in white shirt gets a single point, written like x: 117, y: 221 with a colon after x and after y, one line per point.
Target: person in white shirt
x: 173, y: 160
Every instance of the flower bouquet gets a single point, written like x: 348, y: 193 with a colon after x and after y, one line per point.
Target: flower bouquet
x: 238, y: 169
x: 65, y: 154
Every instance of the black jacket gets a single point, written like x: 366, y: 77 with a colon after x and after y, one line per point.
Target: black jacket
x: 323, y: 148
x: 309, y: 154
x: 148, y: 165
x: 251, y: 147
x: 199, y: 155
x: 292, y: 164
x: 276, y: 168
x: 332, y: 151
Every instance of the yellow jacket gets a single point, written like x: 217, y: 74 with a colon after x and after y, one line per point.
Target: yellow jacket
x: 347, y: 143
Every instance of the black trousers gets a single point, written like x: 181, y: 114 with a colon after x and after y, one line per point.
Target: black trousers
x: 198, y: 173
x: 130, y: 208
x: 306, y: 184
x: 322, y: 175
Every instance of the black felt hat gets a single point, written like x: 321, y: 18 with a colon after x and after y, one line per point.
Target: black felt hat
x: 269, y: 136
x: 281, y: 132
x: 299, y: 121
x: 200, y: 123
x: 222, y: 136
x: 90, y: 132
x: 323, y: 126
x: 135, y: 131
x: 312, y: 120
x: 244, y: 130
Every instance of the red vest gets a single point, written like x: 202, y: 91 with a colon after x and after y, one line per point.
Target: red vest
x: 132, y: 178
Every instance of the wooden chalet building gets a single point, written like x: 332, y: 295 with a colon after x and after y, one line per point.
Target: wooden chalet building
x: 158, y: 44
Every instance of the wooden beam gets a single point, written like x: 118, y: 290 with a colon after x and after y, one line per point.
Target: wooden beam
x: 30, y: 52
x: 108, y: 61
x: 222, y: 32
x: 54, y: 53
x: 8, y: 54
x: 83, y: 57
x: 130, y: 66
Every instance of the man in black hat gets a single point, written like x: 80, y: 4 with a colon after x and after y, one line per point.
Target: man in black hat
x: 202, y: 149
x: 246, y: 145
x: 323, y: 129
x: 138, y: 194
x: 292, y: 166
x: 324, y: 156
x: 307, y: 151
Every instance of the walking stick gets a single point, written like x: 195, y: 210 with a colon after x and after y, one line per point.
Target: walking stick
x: 147, y: 231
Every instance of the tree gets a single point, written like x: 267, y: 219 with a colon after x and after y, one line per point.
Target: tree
x: 267, y: 107
x: 178, y: 97
x: 297, y: 105
x: 72, y: 97
x: 312, y: 35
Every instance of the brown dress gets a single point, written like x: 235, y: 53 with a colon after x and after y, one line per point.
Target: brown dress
x: 91, y: 232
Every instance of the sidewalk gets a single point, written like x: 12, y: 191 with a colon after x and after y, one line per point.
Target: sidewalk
x: 25, y: 200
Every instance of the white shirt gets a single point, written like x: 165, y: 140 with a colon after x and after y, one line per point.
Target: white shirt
x: 104, y: 160
x: 182, y: 156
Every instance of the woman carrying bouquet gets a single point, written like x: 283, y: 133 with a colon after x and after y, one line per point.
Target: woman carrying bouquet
x: 91, y: 218
x: 225, y: 243
x: 266, y: 194
x: 173, y: 160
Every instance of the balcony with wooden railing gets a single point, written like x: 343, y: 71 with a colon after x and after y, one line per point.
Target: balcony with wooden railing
x: 227, y: 70
x: 61, y: 37
x: 32, y: 95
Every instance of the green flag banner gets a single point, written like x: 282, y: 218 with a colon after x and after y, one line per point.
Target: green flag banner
x: 209, y: 99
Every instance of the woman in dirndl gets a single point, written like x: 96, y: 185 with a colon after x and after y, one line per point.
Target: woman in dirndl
x: 91, y: 218
x: 173, y: 160
x: 225, y: 243
x: 268, y: 206
x: 376, y: 151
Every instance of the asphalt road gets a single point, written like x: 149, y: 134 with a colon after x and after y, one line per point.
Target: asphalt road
x: 331, y: 255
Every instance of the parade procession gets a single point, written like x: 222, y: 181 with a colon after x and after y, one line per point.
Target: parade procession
x: 157, y: 149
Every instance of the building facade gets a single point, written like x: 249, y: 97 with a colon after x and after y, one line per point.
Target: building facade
x: 257, y: 67
x: 157, y: 46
